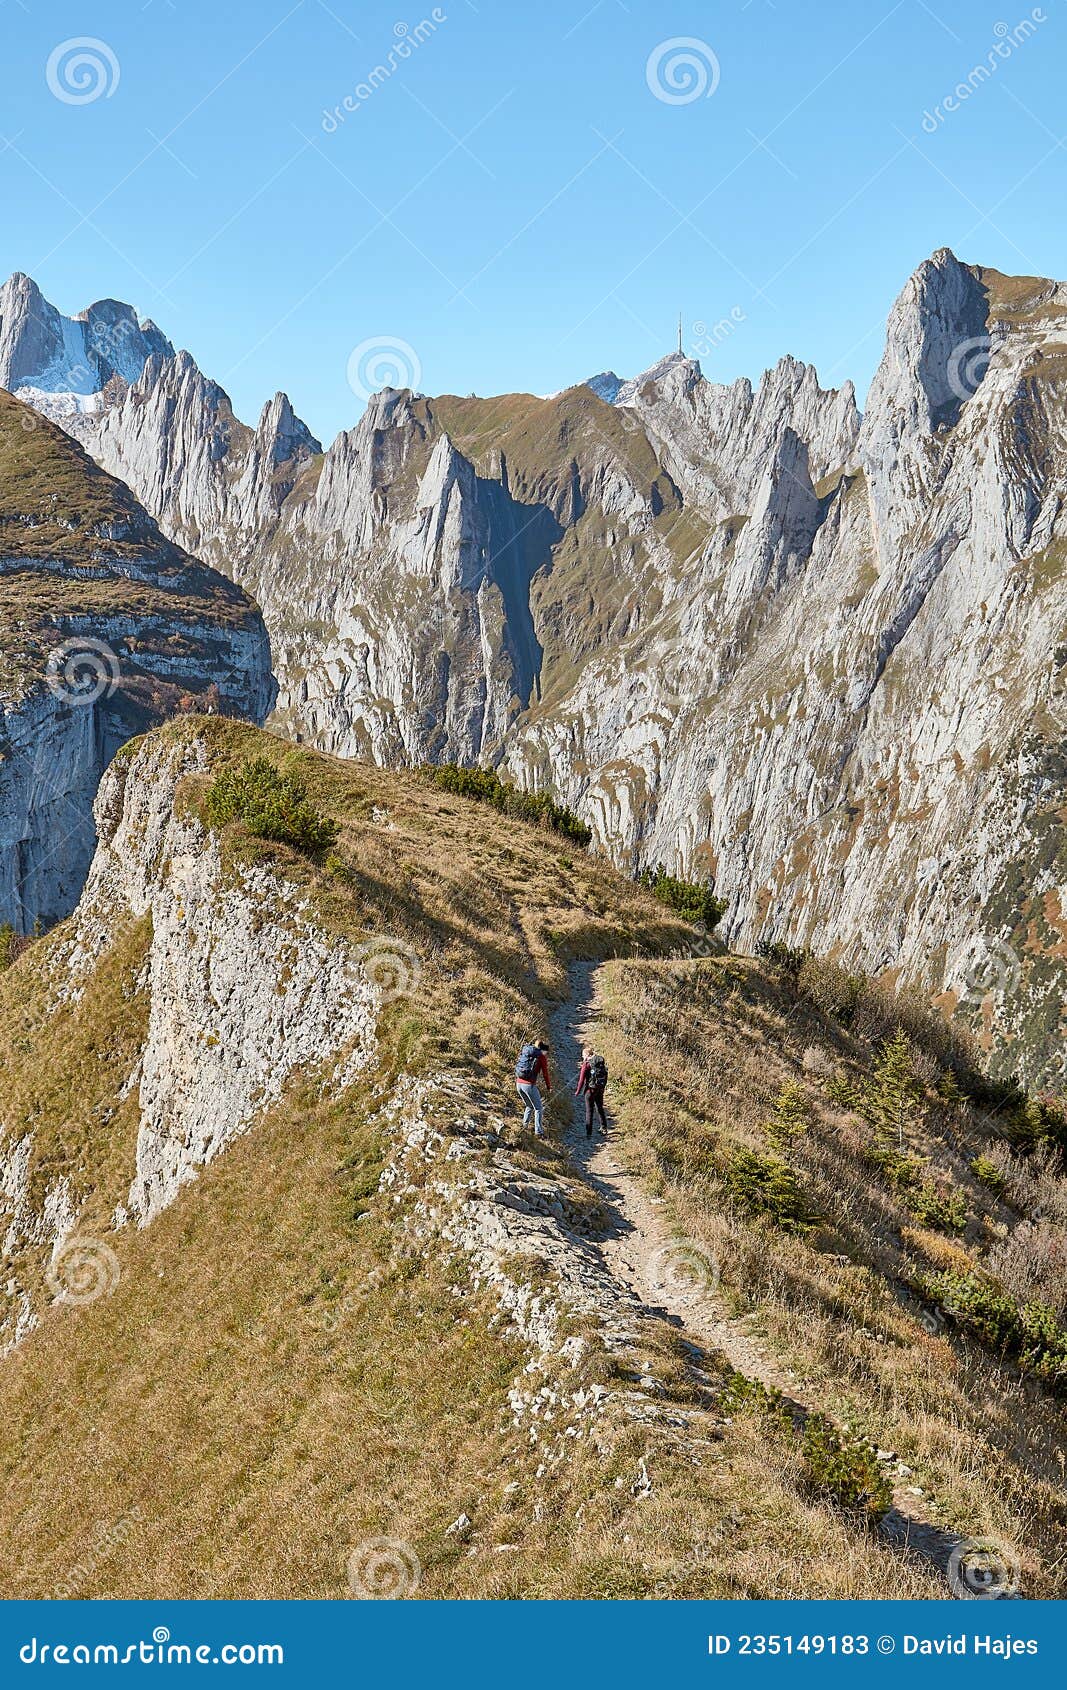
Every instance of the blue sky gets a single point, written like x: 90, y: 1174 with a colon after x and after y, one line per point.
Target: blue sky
x: 514, y: 205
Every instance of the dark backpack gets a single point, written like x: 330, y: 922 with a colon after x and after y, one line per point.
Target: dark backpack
x: 526, y: 1066
x: 598, y: 1072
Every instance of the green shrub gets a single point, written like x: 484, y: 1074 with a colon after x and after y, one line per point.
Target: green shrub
x: 947, y: 1211
x: 893, y: 1094
x: 948, y: 1089
x: 784, y: 959
x: 903, y: 1172
x: 269, y: 804
x: 1031, y: 1334
x: 765, y: 1185
x: 741, y: 1395
x: 789, y: 1118
x: 845, y: 1468
x: 695, y: 902
x: 930, y: 1205
x: 843, y: 1090
x: 486, y: 787
x: 988, y: 1174
x: 1036, y: 1121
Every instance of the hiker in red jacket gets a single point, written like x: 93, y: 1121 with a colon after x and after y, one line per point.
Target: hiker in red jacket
x: 531, y: 1067
x: 592, y: 1078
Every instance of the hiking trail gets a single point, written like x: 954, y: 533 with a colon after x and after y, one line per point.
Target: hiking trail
x: 642, y: 1251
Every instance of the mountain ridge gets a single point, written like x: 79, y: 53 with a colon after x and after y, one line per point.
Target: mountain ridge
x: 707, y: 618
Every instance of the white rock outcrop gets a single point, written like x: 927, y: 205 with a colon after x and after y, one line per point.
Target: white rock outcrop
x: 245, y: 986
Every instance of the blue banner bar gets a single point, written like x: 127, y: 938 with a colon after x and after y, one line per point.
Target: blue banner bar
x: 536, y: 1645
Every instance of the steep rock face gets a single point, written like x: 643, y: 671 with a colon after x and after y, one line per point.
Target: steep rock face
x: 238, y: 1002
x: 716, y: 441
x: 107, y: 628
x: 173, y: 437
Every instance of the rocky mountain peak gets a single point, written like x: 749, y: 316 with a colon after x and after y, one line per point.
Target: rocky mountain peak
x: 675, y: 374
x: 940, y: 313
x: 283, y: 433
x: 71, y: 366
x: 606, y: 386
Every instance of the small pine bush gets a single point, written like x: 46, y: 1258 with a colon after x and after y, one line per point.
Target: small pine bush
x: 903, y: 1172
x: 765, y: 1185
x: 486, y: 787
x: 893, y: 1094
x: 843, y: 1091
x: 786, y: 960
x: 789, y: 1118
x: 988, y: 1174
x: 845, y: 1468
x: 695, y: 902
x: 946, y: 1211
x: 269, y: 804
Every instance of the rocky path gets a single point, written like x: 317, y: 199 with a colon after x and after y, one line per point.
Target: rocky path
x: 666, y: 1273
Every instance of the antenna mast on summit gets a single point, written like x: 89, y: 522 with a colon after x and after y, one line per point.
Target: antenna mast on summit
x: 679, y: 331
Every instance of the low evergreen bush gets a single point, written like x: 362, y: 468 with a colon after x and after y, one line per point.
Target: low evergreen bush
x: 845, y: 1468
x: 486, y: 787
x: 765, y: 1185
x: 269, y: 804
x: 1029, y: 1333
x: 693, y: 900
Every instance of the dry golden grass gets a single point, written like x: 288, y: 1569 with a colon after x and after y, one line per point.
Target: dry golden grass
x: 700, y: 1052
x: 260, y: 1406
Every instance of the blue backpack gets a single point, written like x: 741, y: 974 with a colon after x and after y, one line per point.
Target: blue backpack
x: 526, y: 1066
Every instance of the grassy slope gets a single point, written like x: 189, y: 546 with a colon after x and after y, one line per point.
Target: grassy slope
x: 246, y: 1407
x: 702, y: 1052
